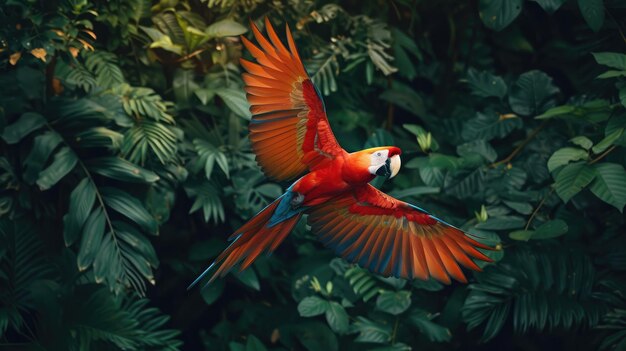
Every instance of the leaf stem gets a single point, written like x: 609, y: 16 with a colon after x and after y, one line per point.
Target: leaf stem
x: 98, y: 196
x: 602, y: 155
x: 532, y: 216
x: 88, y: 174
x: 521, y: 146
x: 395, y: 330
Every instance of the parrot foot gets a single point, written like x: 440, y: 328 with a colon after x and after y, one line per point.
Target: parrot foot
x: 296, y: 200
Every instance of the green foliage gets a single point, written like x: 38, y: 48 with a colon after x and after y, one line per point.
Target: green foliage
x: 125, y: 165
x: 555, y: 290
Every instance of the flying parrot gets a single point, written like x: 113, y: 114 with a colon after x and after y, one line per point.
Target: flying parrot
x: 290, y: 135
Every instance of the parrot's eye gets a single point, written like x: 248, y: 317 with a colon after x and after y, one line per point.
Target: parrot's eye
x: 378, y: 154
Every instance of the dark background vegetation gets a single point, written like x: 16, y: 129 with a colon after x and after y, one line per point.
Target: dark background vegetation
x: 125, y: 165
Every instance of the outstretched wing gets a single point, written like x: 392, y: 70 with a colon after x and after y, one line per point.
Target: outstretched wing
x: 289, y: 130
x: 394, y: 238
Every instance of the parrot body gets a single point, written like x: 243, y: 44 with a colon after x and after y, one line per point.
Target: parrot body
x: 290, y: 134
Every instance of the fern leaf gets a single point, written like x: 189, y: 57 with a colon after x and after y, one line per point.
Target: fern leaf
x: 104, y: 66
x: 207, y: 198
x: 554, y: 289
x: 362, y: 282
x: 323, y: 69
x: 22, y: 262
x: 149, y: 136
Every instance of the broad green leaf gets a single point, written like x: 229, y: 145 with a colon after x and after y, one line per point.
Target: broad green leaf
x: 129, y: 206
x: 82, y: 199
x: 27, y: 123
x: 502, y: 223
x: 414, y: 129
x: 520, y: 207
x: 572, y: 179
x: 621, y: 86
x: 489, y: 125
x: 162, y: 41
x: 429, y: 285
x: 225, y: 28
x: 433, y: 331
x: 550, y: 229
x: 557, y: 111
x: 498, y: 14
x: 99, y: 137
x: 43, y: 146
x: 64, y: 162
x: 469, y: 184
x: 593, y: 13
x: 485, y: 84
x: 550, y: 6
x: 610, y: 184
x: 582, y: 141
x: 270, y: 190
x: 565, y: 155
x: 211, y: 292
x: 370, y: 331
x: 312, y: 306
x: 607, y: 141
x: 205, y: 95
x: 337, y: 318
x: 394, y: 302
x: 424, y: 138
x: 120, y: 169
x: 92, y: 239
x: 521, y: 235
x: 611, y: 74
x: 153, y: 33
x: 611, y: 59
x: 594, y: 111
x: 406, y: 99
x: 403, y: 45
x: 236, y: 101
x: 444, y: 161
x: 615, y: 123
x: 480, y: 147
x: 532, y: 94
x: 249, y: 278
x: 254, y: 344
x: 315, y: 336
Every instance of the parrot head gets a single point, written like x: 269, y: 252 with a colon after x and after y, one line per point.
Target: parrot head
x: 384, y: 161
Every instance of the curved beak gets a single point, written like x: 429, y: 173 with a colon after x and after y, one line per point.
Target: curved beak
x: 390, y: 168
x: 395, y: 165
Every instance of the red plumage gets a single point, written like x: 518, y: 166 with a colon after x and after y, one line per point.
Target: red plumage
x: 290, y: 134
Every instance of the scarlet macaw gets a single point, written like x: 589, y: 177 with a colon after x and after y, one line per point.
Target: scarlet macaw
x: 290, y: 135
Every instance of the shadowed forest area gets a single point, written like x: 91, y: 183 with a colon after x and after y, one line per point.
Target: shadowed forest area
x: 125, y: 165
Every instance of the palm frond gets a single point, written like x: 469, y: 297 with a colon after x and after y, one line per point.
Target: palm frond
x: 543, y: 288
x: 22, y: 262
x: 146, y: 137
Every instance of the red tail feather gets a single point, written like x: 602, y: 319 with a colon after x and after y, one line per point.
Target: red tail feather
x: 252, y: 239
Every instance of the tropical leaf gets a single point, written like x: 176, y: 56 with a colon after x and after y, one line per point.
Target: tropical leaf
x: 544, y: 298
x: 498, y: 14
x: 26, y: 124
x: 22, y: 262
